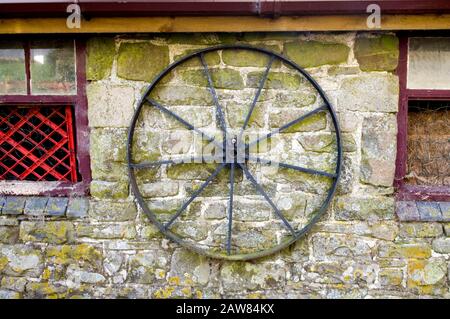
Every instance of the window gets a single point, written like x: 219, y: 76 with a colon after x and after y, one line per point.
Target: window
x: 43, y: 118
x: 423, y: 157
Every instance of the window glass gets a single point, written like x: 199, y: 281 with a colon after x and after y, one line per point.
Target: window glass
x: 12, y: 68
x: 53, y: 67
x: 429, y: 63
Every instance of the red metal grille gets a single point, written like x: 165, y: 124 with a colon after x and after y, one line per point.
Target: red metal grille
x: 37, y: 144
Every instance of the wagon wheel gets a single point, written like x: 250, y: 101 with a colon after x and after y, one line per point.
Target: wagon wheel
x: 235, y: 163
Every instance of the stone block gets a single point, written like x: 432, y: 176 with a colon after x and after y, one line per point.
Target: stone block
x: 106, y: 230
x: 309, y: 54
x: 221, y: 78
x: 429, y: 211
x: 404, y: 250
x: 109, y: 190
x: 9, y: 234
x: 248, y: 58
x: 340, y: 247
x: 110, y: 105
x: 391, y: 277
x: 420, y: 230
x: 442, y: 245
x: 447, y: 229
x: 100, y: 57
x: 275, y: 80
x: 312, y: 123
x: 426, y: 272
x: 14, y: 205
x: 146, y: 266
x: 20, y: 260
x: 35, y: 206
x: 369, y: 93
x: 113, y: 211
x: 186, y: 265
x: 85, y: 255
x: 2, y: 202
x: 78, y: 207
x: 364, y: 208
x: 378, y: 150
x: 108, y: 154
x: 54, y: 232
x: 169, y: 95
x: 445, y: 210
x: 377, y: 53
x: 160, y: 189
x: 133, y: 60
x: 211, y: 58
x: 407, y: 211
x: 237, y: 276
x: 56, y: 206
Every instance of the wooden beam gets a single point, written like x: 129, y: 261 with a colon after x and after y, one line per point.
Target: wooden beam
x: 223, y: 24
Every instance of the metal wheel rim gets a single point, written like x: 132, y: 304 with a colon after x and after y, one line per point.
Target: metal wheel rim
x: 178, y: 239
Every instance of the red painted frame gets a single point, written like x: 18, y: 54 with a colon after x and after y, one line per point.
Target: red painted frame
x: 79, y: 103
x: 405, y: 191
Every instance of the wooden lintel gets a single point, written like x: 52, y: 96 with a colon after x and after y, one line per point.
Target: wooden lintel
x: 222, y: 24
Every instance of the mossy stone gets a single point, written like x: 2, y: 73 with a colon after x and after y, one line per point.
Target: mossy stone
x: 211, y: 59
x: 141, y: 61
x: 236, y: 114
x: 308, y: 54
x: 190, y: 171
x: 315, y: 122
x: 378, y: 53
x: 249, y: 58
x: 275, y: 80
x: 100, y: 57
x: 182, y: 95
x: 222, y: 78
x: 57, y: 232
x: 68, y: 254
x: 109, y: 190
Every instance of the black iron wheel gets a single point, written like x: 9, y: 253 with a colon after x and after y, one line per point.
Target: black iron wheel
x: 235, y: 155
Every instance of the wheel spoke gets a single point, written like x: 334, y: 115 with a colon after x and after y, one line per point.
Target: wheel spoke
x: 230, y: 209
x: 192, y: 159
x: 288, y: 125
x: 184, y: 122
x: 294, y: 167
x: 258, y: 92
x: 194, y: 195
x: 220, y: 114
x: 264, y: 194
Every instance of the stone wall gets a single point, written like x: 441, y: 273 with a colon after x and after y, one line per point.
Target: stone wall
x: 359, y: 249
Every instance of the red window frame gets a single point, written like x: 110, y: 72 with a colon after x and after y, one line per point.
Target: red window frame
x: 78, y: 101
x: 405, y: 191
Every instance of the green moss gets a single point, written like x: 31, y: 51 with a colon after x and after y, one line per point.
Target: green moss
x: 378, y: 53
x: 109, y: 190
x: 248, y: 58
x: 190, y: 171
x: 133, y: 61
x: 67, y: 254
x: 309, y: 54
x: 100, y: 57
x: 275, y: 80
x: 221, y: 78
x: 211, y: 59
x: 315, y: 122
x: 3, y: 262
x: 50, y: 232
